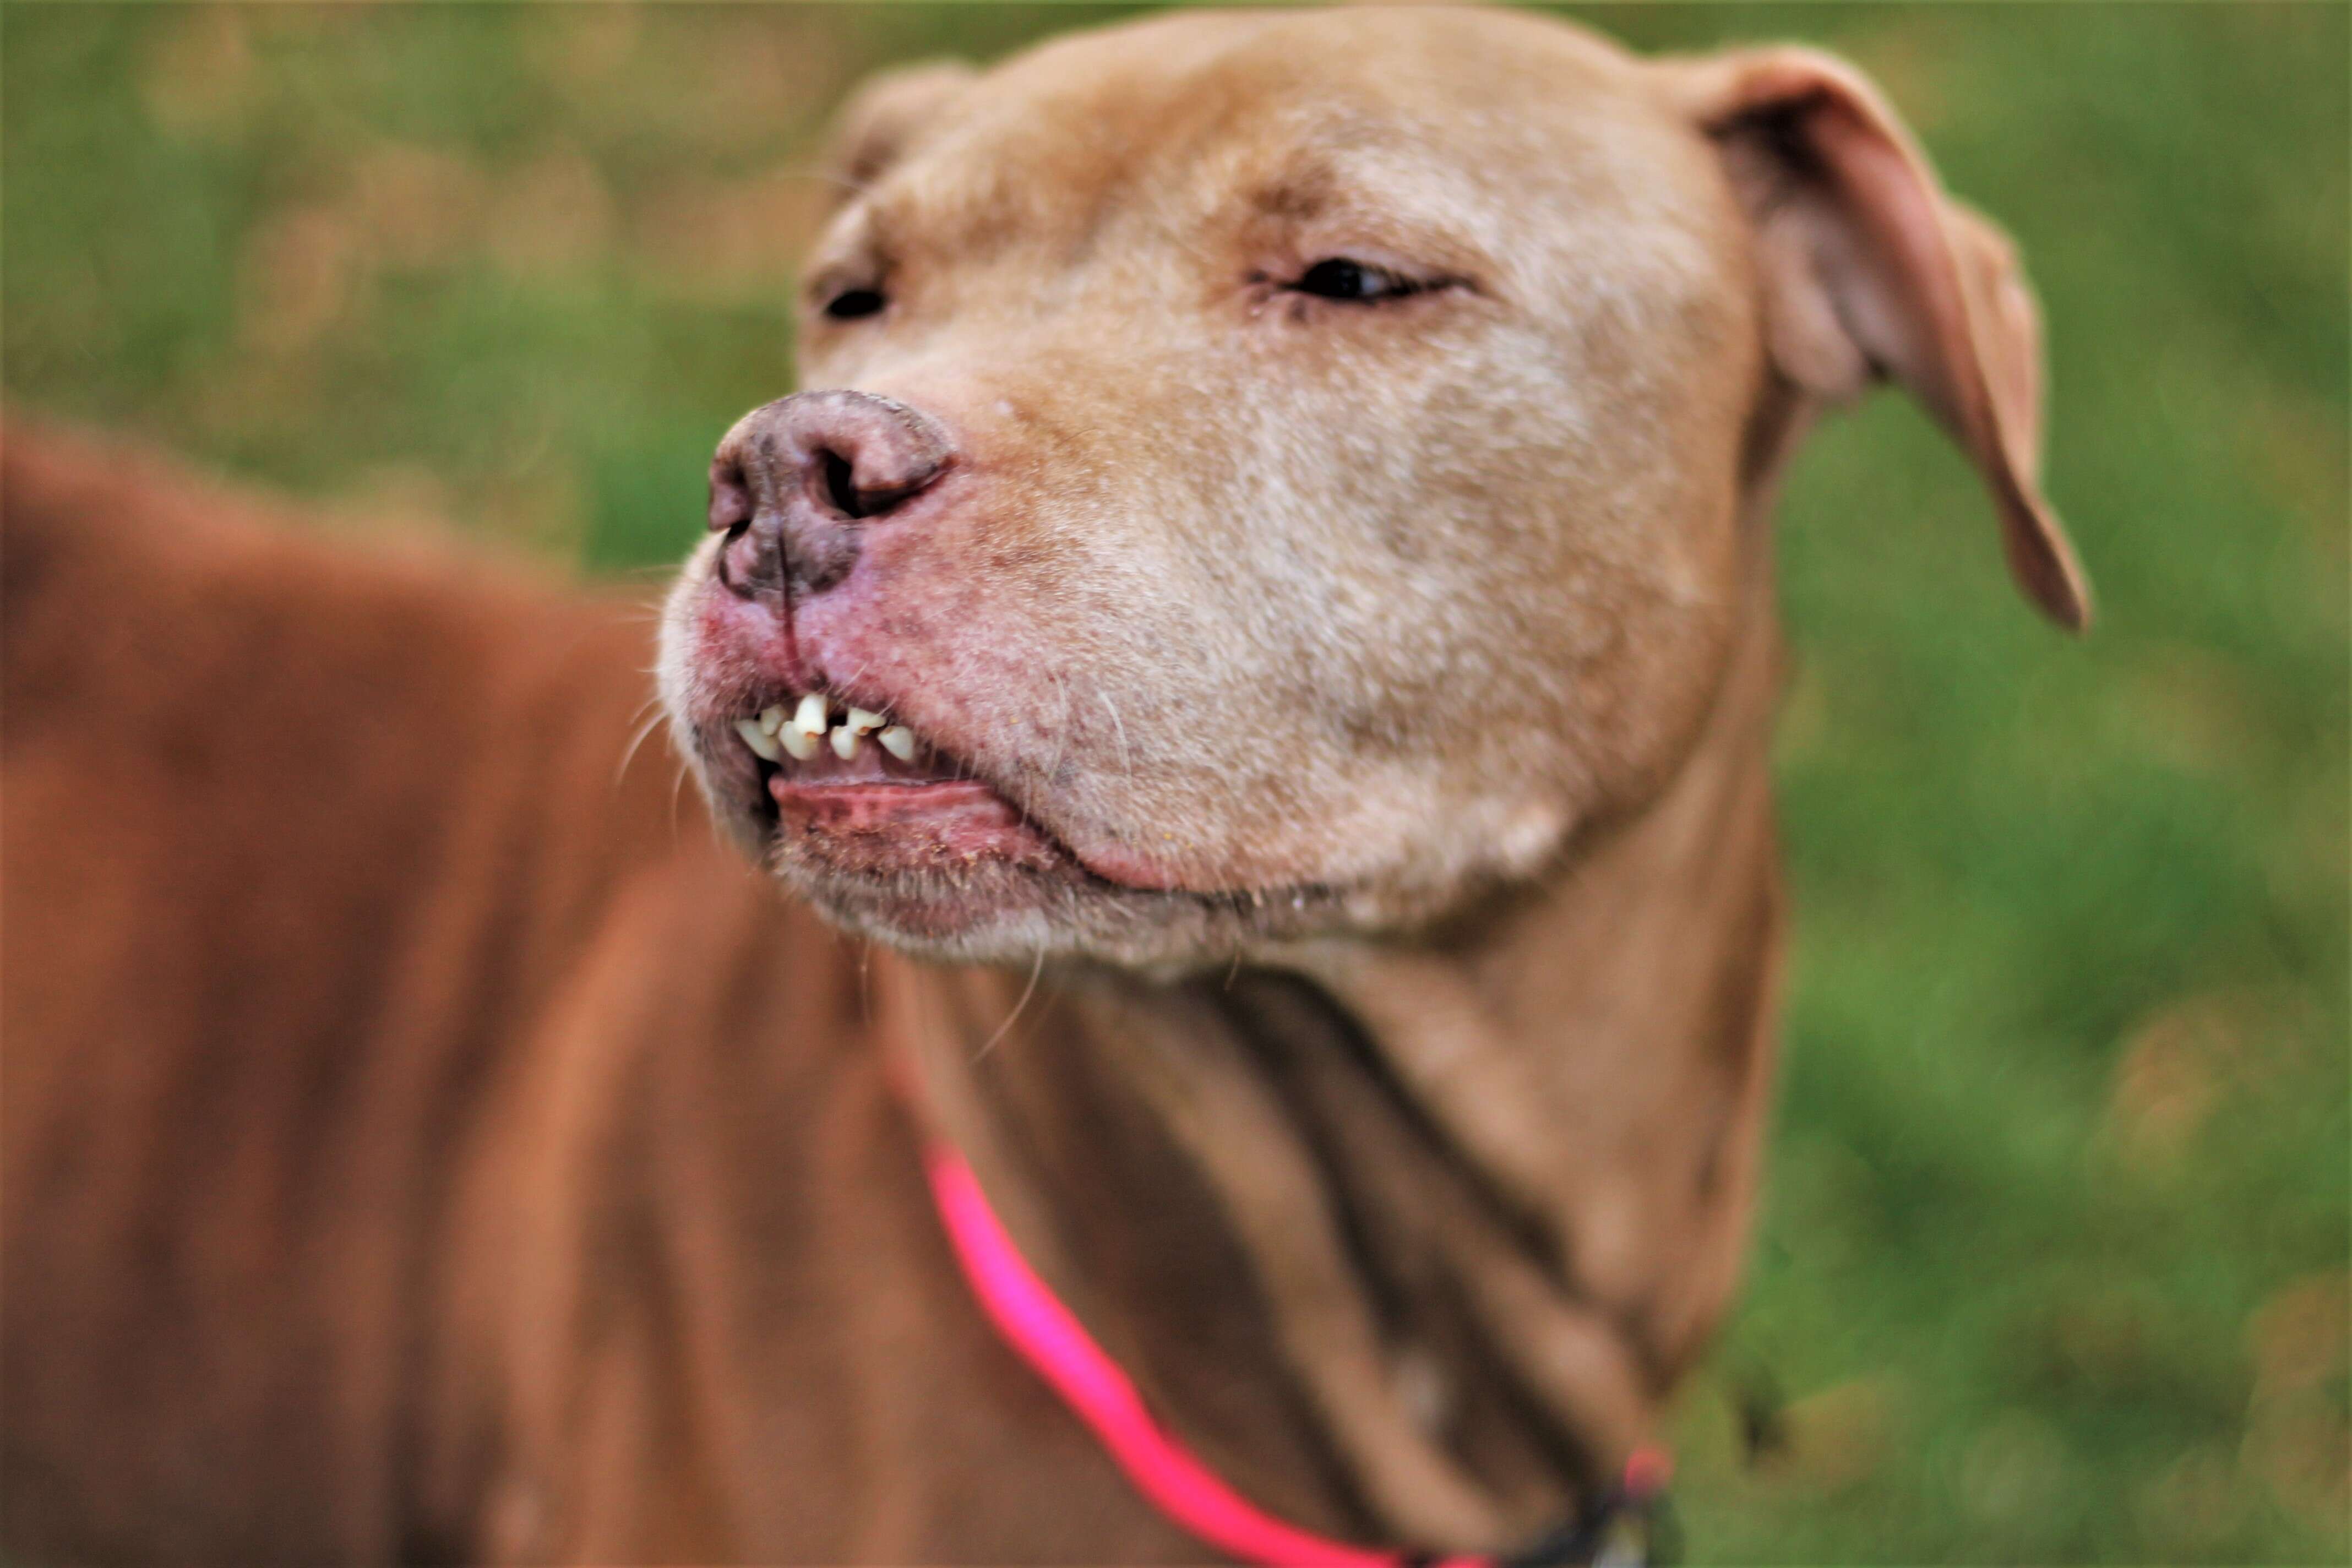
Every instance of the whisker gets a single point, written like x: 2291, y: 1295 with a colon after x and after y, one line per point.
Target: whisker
x: 1035, y: 969
x: 1062, y: 750
x: 1126, y: 763
x: 630, y: 754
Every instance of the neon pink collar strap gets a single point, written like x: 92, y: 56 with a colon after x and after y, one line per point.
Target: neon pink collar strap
x: 1047, y: 1335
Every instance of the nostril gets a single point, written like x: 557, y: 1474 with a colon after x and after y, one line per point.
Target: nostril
x: 839, y: 477
x: 731, y: 497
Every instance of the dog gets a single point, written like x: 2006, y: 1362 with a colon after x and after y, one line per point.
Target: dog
x: 1254, y: 667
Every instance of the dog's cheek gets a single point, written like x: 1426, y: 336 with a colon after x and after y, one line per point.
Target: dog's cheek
x: 1405, y: 699
x: 1240, y: 617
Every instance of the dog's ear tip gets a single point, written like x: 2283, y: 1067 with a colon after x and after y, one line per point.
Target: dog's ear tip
x: 2077, y: 609
x: 2047, y: 569
x: 2075, y: 614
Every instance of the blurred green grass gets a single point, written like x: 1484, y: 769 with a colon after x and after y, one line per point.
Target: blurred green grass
x: 2054, y: 1261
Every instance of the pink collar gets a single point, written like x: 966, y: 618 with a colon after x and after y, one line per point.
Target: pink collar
x: 1047, y: 1336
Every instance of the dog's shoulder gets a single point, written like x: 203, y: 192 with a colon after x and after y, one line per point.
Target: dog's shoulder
x: 134, y: 586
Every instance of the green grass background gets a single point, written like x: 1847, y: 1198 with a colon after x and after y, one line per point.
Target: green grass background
x: 2054, y: 1261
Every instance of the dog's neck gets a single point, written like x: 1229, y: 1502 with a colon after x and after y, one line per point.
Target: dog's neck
x: 1409, y: 1239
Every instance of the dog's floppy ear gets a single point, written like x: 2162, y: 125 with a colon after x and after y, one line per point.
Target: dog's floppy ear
x: 1871, y: 269
x: 885, y: 117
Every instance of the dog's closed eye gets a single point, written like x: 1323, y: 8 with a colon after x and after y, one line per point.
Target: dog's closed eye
x: 1349, y: 284
x: 853, y: 304
x: 1362, y: 282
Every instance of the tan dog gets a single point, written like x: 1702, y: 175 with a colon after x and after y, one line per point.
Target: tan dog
x: 1279, y: 578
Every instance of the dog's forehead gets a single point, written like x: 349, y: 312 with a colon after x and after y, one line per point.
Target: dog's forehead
x: 1296, y: 117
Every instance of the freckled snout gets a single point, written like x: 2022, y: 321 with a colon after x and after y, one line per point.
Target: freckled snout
x: 795, y: 481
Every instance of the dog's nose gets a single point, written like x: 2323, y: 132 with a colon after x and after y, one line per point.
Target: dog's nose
x: 794, y: 482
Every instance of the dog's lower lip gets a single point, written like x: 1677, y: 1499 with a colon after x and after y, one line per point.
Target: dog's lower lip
x: 958, y: 819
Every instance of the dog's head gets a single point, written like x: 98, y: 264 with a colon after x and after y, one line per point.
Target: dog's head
x: 1279, y: 474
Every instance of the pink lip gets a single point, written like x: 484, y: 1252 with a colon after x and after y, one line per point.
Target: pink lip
x: 1124, y: 866
x: 892, y: 826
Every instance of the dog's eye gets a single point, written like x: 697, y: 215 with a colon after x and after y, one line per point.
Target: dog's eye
x: 850, y: 304
x: 1338, y: 278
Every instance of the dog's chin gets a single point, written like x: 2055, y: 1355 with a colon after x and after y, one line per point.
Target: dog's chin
x: 977, y: 883
x: 966, y: 878
x: 1006, y: 911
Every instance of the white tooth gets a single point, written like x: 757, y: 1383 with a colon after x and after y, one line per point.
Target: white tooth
x: 862, y: 720
x: 845, y: 742
x: 899, y: 742
x: 772, y: 717
x: 758, y: 740
x: 811, y: 717
x: 798, y: 742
